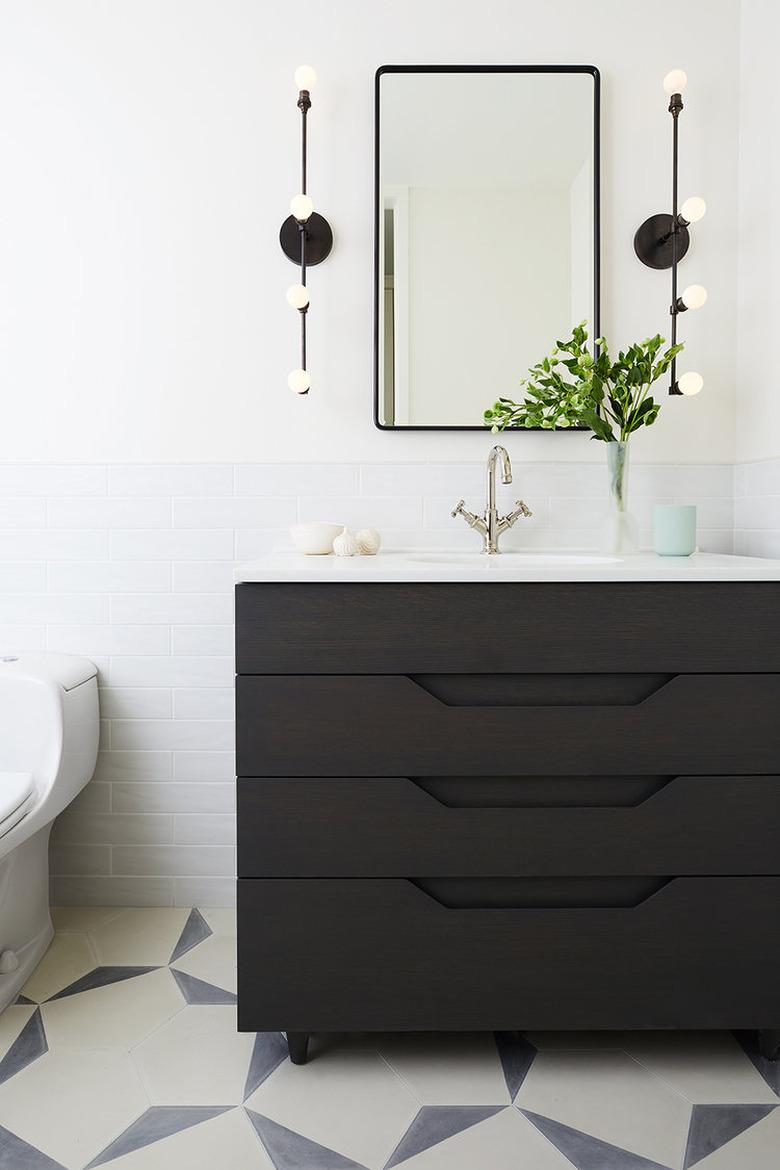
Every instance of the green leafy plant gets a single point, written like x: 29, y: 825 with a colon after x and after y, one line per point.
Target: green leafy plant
x: 573, y: 388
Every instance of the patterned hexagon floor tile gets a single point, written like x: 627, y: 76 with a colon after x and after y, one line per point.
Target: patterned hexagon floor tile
x: 197, y: 1058
x: 116, y: 1015
x: 70, y: 1104
x: 451, y: 1068
x: 143, y: 937
x: 213, y: 961
x: 610, y: 1097
x: 69, y: 957
x: 20, y: 1045
x: 226, y: 1141
x: 706, y: 1067
x: 756, y: 1148
x: 349, y: 1101
x: 505, y: 1141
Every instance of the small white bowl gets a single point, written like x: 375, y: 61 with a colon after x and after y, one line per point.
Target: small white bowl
x: 316, y: 538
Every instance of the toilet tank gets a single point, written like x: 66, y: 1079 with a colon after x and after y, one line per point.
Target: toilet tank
x: 49, y: 722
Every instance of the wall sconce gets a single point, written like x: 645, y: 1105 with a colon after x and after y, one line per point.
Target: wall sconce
x: 663, y: 240
x: 305, y: 236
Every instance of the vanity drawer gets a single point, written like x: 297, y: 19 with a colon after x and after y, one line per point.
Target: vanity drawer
x: 341, y: 955
x: 394, y: 725
x: 393, y: 826
x: 413, y: 627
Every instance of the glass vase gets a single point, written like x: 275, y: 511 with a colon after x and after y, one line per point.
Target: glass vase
x: 621, y: 532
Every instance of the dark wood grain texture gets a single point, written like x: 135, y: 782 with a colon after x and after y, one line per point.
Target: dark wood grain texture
x: 505, y: 626
x: 412, y: 754
x: 387, y: 725
x: 390, y: 827
x: 348, y: 955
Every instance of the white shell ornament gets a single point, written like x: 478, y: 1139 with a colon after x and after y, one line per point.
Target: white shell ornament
x: 368, y: 541
x: 345, y: 544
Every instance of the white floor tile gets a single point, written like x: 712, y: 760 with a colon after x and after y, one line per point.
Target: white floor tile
x: 706, y: 1067
x: 120, y: 1015
x: 610, y: 1096
x: 70, y: 1104
x: 213, y: 960
x: 68, y: 958
x: 445, y: 1068
x: 197, y: 1058
x: 139, y: 937
x: 348, y: 1100
x: 227, y: 1142
x: 505, y: 1142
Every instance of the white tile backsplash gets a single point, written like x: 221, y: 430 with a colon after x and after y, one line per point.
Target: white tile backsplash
x: 132, y: 565
x: 757, y: 509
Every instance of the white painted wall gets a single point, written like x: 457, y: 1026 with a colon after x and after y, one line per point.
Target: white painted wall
x: 150, y: 148
x: 758, y: 396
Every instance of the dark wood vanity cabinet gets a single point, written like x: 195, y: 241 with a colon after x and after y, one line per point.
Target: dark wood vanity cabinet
x: 500, y: 806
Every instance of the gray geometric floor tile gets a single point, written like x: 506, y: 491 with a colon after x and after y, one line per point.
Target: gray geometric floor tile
x: 22, y: 999
x: 436, y: 1123
x: 586, y: 1152
x: 292, y: 1151
x: 197, y: 991
x: 101, y: 977
x: 714, y: 1125
x: 27, y: 1047
x: 517, y: 1056
x: 769, y: 1069
x: 18, y: 1155
x: 268, y: 1053
x: 160, y: 1121
x: 196, y: 929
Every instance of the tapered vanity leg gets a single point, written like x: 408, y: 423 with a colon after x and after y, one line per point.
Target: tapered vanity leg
x: 298, y: 1044
x: 769, y: 1043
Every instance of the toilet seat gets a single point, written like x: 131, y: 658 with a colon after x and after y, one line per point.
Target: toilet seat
x: 17, y: 795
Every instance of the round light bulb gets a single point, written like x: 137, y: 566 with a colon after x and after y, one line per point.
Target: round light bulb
x: 675, y: 81
x: 305, y: 77
x: 690, y: 383
x: 298, y: 296
x: 693, y: 209
x: 694, y: 296
x: 299, y: 381
x: 301, y: 207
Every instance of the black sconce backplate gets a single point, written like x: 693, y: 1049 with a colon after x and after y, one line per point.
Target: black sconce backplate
x: 653, y: 241
x: 319, y: 239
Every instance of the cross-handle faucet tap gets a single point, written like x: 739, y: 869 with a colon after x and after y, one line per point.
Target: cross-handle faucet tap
x: 491, y: 525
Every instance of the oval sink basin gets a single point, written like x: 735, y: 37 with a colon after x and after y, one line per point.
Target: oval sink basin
x: 513, y: 559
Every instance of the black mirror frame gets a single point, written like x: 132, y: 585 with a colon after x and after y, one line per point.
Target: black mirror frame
x: 596, y: 322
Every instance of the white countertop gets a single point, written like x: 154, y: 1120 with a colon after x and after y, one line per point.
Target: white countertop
x: 417, y: 565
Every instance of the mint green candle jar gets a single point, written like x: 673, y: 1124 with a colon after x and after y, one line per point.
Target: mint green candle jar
x: 674, y: 530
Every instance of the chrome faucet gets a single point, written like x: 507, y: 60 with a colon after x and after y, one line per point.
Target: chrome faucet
x: 491, y: 525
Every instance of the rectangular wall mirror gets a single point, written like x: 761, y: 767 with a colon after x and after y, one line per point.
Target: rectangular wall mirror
x: 487, y: 232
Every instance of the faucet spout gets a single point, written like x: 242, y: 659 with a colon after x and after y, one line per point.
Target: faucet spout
x: 491, y: 525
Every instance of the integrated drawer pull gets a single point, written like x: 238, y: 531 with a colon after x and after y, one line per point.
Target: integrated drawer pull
x: 543, y: 792
x: 541, y: 690
x: 551, y: 893
x: 691, y: 723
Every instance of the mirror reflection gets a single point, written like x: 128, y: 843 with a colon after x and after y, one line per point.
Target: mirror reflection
x: 487, y: 233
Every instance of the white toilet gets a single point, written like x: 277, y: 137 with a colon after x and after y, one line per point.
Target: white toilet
x: 49, y: 729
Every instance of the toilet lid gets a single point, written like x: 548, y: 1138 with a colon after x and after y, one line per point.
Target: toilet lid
x: 16, y: 792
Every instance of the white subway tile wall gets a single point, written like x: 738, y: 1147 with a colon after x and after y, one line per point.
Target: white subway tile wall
x: 757, y: 509
x: 132, y: 566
